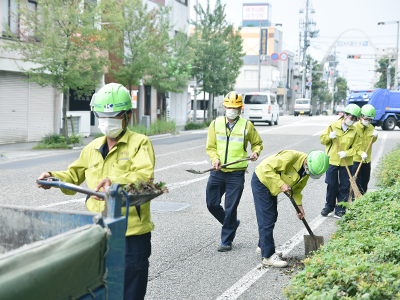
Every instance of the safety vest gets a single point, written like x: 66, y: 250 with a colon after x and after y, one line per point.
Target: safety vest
x: 231, y: 147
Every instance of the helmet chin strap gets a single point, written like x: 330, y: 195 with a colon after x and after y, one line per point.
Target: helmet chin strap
x: 124, y: 130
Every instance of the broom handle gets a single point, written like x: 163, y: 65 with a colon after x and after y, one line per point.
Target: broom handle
x: 337, y: 143
x: 359, y: 166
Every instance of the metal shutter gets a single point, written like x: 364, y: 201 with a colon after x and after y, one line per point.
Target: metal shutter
x: 75, y: 120
x: 14, y: 95
x: 41, y: 111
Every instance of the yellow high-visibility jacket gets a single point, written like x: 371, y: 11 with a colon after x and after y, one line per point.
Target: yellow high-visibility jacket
x: 364, y: 135
x: 251, y: 136
x: 281, y: 168
x: 347, y: 142
x: 130, y: 160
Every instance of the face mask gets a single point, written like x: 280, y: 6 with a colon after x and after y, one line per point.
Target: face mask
x: 110, y: 127
x: 365, y: 123
x: 349, y: 122
x: 232, y: 113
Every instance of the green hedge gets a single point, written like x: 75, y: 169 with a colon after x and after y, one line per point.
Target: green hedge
x: 191, y: 125
x: 389, y: 169
x: 362, y: 259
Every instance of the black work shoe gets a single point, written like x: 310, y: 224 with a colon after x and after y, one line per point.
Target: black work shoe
x: 325, y: 212
x: 225, y: 247
x: 339, y: 214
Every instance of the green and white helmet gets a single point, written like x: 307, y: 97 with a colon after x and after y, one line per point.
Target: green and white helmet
x: 352, y: 109
x: 317, y: 162
x: 111, y: 100
x: 368, y: 111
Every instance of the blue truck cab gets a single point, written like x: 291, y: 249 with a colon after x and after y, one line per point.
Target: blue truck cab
x: 386, y: 103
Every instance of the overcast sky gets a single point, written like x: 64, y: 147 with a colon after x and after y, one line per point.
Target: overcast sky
x: 332, y: 17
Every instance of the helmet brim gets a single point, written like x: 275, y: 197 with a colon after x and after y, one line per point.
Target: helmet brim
x: 109, y: 114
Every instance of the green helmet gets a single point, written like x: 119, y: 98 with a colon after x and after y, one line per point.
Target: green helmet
x: 112, y: 100
x: 317, y: 162
x: 352, y: 109
x: 368, y: 110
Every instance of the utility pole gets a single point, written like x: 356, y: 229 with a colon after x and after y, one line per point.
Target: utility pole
x: 388, y: 75
x: 333, y: 80
x: 259, y: 62
x: 303, y: 78
x: 396, y: 81
x: 195, y: 80
x: 311, y: 67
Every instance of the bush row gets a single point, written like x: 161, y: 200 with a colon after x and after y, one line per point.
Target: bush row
x: 56, y: 141
x: 362, y: 259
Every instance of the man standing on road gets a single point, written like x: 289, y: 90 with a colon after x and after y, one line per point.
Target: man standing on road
x: 288, y: 169
x: 121, y: 156
x: 227, y: 141
x: 366, y: 131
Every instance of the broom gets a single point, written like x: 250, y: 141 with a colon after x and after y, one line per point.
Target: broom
x: 353, y: 184
x: 358, y: 170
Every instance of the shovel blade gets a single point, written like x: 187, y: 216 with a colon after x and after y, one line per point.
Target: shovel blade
x: 312, y: 243
x: 194, y: 171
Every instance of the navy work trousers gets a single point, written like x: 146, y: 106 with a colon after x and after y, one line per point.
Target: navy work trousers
x: 137, y: 253
x: 338, y: 187
x: 363, y: 175
x: 231, y: 184
x: 267, y: 213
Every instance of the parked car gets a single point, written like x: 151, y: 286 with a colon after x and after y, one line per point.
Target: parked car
x: 261, y: 107
x: 303, y: 106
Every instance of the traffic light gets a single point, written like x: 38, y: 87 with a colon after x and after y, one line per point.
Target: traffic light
x: 354, y: 56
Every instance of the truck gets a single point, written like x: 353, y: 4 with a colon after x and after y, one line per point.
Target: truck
x: 59, y: 254
x: 385, y: 102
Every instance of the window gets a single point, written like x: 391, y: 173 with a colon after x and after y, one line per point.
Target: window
x: 32, y: 6
x: 256, y: 99
x: 185, y: 2
x: 9, y: 12
x: 250, y: 74
x: 302, y: 101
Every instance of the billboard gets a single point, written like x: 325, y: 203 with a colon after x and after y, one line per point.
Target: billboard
x: 254, y: 13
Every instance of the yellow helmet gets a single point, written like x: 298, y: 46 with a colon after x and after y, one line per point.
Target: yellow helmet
x: 232, y: 99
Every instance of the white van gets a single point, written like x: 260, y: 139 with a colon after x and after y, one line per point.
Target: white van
x: 261, y: 107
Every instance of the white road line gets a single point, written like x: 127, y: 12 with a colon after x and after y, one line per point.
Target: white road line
x: 204, y: 162
x: 247, y: 280
x: 177, y: 185
x: 174, y: 153
x: 318, y: 133
x: 82, y: 200
x: 279, y: 127
x: 380, y: 151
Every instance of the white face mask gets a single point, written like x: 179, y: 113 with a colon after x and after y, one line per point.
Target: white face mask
x: 349, y: 122
x: 110, y: 127
x: 365, y: 123
x: 232, y: 113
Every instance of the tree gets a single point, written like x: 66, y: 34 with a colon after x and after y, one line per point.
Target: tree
x: 341, y: 85
x: 64, y: 42
x: 218, y: 51
x: 383, y: 69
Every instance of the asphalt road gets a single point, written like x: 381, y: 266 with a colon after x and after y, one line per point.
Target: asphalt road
x: 185, y: 263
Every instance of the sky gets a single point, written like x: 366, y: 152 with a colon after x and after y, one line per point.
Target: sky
x: 332, y: 17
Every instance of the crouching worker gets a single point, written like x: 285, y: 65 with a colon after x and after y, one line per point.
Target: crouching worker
x: 288, y: 169
x: 121, y: 156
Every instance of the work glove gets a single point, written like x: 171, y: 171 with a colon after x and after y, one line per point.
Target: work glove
x: 364, y: 156
x: 375, y: 133
x: 332, y: 135
x: 342, y: 154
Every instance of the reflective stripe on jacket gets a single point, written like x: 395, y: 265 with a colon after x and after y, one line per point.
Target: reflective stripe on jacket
x: 347, y: 142
x: 251, y: 136
x: 281, y: 168
x: 130, y: 160
x: 364, y: 135
x: 230, y: 147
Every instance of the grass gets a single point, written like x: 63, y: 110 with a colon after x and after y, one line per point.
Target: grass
x: 191, y: 125
x: 58, y: 141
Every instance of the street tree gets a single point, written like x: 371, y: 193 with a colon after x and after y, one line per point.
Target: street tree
x: 383, y: 70
x: 218, y: 51
x: 64, y: 42
x: 342, y: 88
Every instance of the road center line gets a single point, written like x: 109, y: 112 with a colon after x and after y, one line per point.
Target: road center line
x: 204, y: 162
x: 247, y: 280
x: 380, y: 151
x: 279, y: 127
x: 174, y: 153
x: 318, y: 133
x: 82, y: 200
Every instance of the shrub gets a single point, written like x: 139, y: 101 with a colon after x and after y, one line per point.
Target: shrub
x: 158, y: 127
x: 389, y: 169
x: 362, y: 259
x: 52, y: 141
x: 76, y: 139
x: 191, y: 125
x: 97, y: 135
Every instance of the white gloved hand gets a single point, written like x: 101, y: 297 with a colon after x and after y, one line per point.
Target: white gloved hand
x: 342, y: 154
x: 375, y: 133
x: 364, y: 156
x: 332, y: 135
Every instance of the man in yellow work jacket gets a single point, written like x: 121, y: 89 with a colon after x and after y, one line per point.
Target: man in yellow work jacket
x: 365, y: 133
x: 227, y: 141
x: 121, y: 156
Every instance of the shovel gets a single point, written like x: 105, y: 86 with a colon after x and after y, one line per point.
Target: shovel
x: 311, y: 242
x: 222, y: 166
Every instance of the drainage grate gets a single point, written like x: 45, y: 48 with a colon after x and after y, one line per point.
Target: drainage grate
x: 167, y: 206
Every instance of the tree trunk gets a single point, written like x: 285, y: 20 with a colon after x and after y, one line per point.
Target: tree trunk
x: 204, y: 106
x: 64, y: 110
